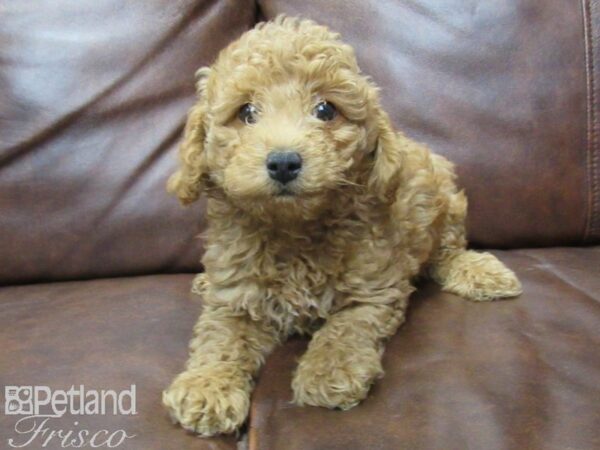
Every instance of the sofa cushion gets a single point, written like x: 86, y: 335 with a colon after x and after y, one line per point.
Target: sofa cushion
x: 506, y: 90
x: 106, y: 334
x: 93, y: 97
x: 510, y: 374
x: 519, y: 373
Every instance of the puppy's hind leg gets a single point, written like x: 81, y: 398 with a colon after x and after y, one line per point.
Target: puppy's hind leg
x: 473, y: 275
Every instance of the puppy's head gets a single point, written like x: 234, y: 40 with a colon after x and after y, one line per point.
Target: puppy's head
x: 284, y: 121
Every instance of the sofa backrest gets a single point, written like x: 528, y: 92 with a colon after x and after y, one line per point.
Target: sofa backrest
x: 93, y: 97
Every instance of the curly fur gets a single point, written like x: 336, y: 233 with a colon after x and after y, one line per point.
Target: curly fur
x: 371, y: 211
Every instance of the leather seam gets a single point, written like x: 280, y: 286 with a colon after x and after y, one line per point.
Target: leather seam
x: 592, y: 227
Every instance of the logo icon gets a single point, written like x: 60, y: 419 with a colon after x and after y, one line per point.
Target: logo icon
x: 18, y: 400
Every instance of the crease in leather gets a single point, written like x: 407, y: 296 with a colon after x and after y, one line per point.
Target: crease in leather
x: 145, y: 103
x: 504, y: 424
x: 50, y: 131
x: 551, y: 269
x: 536, y: 337
x: 591, y: 16
x: 103, y: 214
x: 546, y: 397
x: 424, y: 11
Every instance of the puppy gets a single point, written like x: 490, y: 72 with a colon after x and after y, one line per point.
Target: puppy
x: 320, y: 216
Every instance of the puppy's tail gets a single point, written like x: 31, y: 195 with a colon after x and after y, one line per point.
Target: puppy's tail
x: 473, y: 275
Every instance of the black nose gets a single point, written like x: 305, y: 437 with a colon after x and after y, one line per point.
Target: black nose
x: 284, y: 166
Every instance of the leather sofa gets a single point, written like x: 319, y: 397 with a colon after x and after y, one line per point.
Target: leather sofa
x: 96, y: 260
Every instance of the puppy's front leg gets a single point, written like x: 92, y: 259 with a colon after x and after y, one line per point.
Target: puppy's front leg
x: 212, y: 395
x: 344, y: 356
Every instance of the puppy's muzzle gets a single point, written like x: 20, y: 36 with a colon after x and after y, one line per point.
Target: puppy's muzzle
x: 284, y: 166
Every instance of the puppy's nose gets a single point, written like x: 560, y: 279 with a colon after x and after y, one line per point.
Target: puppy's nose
x: 284, y: 166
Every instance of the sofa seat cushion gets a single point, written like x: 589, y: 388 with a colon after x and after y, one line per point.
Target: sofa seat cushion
x: 518, y: 374
x: 103, y: 334
x: 461, y: 375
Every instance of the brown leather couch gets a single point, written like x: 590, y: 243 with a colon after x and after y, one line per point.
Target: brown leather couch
x: 96, y: 260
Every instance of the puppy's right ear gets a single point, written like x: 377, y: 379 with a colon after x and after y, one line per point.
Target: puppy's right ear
x: 188, y: 181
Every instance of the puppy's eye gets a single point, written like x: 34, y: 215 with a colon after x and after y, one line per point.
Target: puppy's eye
x: 325, y: 111
x: 248, y: 114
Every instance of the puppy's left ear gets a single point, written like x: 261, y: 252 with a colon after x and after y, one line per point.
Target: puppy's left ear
x: 188, y: 181
x: 387, y: 156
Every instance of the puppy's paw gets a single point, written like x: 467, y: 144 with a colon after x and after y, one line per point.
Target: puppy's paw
x: 336, y: 379
x: 210, y: 400
x: 480, y: 276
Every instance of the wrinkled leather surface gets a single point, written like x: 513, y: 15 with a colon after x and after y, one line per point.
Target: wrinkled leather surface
x: 500, y: 88
x: 93, y: 97
x: 105, y: 334
x: 519, y: 374
x: 513, y: 374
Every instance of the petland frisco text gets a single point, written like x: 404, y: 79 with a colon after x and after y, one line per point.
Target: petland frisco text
x: 40, y: 406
